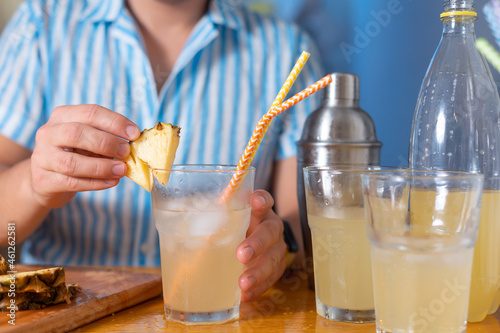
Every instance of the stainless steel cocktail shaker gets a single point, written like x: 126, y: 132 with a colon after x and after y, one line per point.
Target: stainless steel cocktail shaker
x: 338, y: 132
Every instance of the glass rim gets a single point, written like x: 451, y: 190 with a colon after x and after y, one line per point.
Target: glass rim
x: 200, y: 168
x: 354, y: 168
x: 423, y: 174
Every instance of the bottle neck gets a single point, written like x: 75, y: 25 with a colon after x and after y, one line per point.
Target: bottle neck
x: 459, y: 25
x: 458, y: 5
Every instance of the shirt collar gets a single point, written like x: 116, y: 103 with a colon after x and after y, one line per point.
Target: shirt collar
x: 220, y: 12
x: 102, y: 11
x: 226, y: 13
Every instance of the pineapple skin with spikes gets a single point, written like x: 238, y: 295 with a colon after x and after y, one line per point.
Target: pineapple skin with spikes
x: 3, y: 266
x: 33, y: 301
x: 36, y: 281
x: 155, y: 148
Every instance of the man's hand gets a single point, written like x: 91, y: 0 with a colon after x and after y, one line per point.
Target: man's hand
x: 263, y: 251
x: 79, y: 149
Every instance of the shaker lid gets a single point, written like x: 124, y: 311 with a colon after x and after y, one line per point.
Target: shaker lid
x: 343, y: 86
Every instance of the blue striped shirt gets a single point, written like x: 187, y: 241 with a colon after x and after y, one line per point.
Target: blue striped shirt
x: 66, y: 52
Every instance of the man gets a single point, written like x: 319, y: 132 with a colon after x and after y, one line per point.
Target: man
x: 203, y: 65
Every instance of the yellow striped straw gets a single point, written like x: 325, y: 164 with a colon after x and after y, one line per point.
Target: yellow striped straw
x: 489, y: 52
x: 291, y: 79
x: 247, y: 158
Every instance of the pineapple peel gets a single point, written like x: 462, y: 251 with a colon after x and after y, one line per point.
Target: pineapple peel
x: 155, y: 148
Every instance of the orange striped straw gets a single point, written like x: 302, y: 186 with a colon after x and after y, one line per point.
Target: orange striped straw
x: 297, y: 68
x: 259, y: 132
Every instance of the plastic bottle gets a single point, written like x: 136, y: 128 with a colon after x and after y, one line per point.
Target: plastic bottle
x: 456, y: 127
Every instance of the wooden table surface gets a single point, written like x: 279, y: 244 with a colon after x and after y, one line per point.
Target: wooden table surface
x: 288, y: 307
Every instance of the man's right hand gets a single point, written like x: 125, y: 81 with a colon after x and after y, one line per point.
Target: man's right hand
x: 80, y: 148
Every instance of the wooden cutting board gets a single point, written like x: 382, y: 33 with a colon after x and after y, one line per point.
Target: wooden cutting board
x: 104, y: 291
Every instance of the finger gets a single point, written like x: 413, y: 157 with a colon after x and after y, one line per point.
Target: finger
x: 54, y: 183
x: 262, y: 202
x: 252, y: 294
x: 98, y: 117
x: 85, y: 153
x: 83, y: 137
x: 263, y: 267
x: 70, y: 163
x: 81, y: 166
x: 261, y: 274
x: 263, y: 236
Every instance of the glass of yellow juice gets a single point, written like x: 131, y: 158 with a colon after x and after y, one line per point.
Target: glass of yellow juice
x: 485, y: 283
x: 422, y: 227
x: 199, y: 233
x: 341, y: 251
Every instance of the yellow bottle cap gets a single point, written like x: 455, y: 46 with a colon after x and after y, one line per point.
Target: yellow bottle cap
x: 459, y: 13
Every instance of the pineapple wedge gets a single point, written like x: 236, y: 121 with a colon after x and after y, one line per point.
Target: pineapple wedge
x: 36, y: 281
x: 155, y: 148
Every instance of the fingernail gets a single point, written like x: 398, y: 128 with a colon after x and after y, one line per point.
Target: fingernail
x: 248, y: 252
x: 261, y: 200
x: 123, y: 149
x: 132, y: 132
x: 118, y: 170
x: 110, y: 181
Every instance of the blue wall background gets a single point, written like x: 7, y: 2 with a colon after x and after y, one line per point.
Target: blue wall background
x: 391, y: 53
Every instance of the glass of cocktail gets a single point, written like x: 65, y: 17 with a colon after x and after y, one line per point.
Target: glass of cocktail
x: 199, y: 233
x: 485, y: 281
x: 341, y: 251
x: 422, y: 227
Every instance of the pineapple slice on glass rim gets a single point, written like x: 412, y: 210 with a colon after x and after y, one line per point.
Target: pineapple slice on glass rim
x: 155, y: 148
